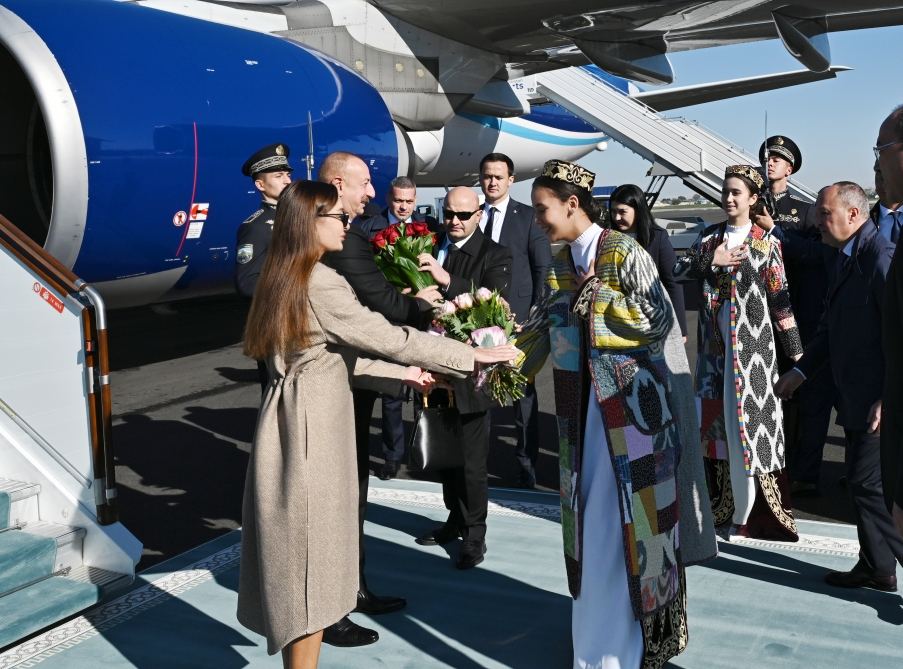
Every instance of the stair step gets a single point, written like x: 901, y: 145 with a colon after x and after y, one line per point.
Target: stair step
x: 69, y: 542
x: 43, y: 604
x: 108, y: 581
x: 23, y: 500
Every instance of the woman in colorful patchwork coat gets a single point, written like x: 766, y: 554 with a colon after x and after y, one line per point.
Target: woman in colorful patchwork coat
x: 744, y: 292
x: 635, y: 510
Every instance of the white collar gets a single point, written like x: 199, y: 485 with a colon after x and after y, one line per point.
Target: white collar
x: 460, y: 242
x: 583, y: 249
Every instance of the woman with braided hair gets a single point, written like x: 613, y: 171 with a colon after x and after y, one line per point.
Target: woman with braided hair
x: 635, y: 510
x: 745, y: 292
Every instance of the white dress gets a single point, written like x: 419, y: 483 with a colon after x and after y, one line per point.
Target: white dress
x: 606, y: 635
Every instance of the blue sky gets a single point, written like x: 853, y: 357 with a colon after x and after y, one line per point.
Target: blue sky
x: 835, y: 122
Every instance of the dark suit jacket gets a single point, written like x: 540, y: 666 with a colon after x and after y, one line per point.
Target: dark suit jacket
x: 892, y: 406
x: 662, y: 253
x: 355, y: 262
x: 849, y: 335
x: 531, y: 255
x: 370, y: 226
x: 478, y: 263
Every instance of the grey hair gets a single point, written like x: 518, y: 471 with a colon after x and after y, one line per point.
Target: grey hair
x: 402, y: 183
x: 852, y: 195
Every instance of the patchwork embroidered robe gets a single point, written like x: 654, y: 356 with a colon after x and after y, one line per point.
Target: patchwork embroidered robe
x: 618, y: 331
x: 759, y: 299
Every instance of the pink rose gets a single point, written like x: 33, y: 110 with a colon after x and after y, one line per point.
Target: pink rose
x: 487, y: 337
x: 483, y: 294
x: 447, y: 308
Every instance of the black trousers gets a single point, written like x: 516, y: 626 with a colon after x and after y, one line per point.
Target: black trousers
x: 880, y: 545
x: 806, y: 426
x: 526, y: 423
x: 465, y: 490
x: 393, y: 428
x: 363, y: 411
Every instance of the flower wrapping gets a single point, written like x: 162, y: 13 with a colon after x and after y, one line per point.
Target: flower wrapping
x: 396, y: 249
x: 484, y: 319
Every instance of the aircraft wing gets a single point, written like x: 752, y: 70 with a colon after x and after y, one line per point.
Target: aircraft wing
x: 631, y: 39
x: 685, y: 96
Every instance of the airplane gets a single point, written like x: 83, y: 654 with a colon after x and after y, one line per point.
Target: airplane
x: 125, y: 122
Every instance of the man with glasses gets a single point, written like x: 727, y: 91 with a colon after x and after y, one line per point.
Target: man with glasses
x: 807, y: 416
x: 465, y: 259
x: 889, y: 171
x: 351, y: 176
x: 510, y: 223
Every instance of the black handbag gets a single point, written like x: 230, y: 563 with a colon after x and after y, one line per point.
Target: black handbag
x: 436, y: 441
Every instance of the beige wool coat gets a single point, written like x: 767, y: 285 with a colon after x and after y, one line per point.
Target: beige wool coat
x: 299, y: 545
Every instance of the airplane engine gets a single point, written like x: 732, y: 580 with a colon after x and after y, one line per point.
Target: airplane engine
x: 124, y: 130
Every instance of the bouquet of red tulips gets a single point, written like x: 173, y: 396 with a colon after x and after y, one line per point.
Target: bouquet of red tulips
x: 483, y: 318
x: 396, y: 249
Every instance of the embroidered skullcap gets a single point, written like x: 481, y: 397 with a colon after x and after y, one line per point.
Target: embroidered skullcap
x: 572, y: 173
x: 747, y: 171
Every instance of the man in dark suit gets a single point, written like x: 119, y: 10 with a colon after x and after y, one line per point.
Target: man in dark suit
x: 401, y: 201
x: 889, y: 176
x: 849, y: 341
x: 465, y: 260
x: 510, y: 224
x: 351, y: 176
x: 808, y: 416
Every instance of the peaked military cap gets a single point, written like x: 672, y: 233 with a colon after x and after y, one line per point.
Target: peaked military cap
x: 272, y: 158
x: 783, y: 147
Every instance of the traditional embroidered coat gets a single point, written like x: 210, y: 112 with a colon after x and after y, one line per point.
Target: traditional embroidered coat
x: 759, y: 299
x: 615, y: 331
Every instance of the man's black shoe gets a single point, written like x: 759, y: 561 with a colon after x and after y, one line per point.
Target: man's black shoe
x: 439, y: 536
x: 347, y: 633
x: 471, y: 554
x: 861, y: 577
x: 388, y: 471
x: 367, y: 602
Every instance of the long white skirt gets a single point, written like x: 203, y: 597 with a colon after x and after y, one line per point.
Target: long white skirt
x: 605, y: 633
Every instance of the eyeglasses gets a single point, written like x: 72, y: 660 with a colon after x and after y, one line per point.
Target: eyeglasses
x: 343, y: 217
x: 880, y: 148
x: 449, y: 214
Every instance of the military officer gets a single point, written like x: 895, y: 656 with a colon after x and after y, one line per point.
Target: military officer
x: 806, y: 258
x: 268, y: 168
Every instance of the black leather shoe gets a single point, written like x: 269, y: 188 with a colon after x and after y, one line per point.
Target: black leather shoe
x: 347, y: 634
x: 367, y: 602
x: 861, y: 577
x: 471, y: 554
x: 439, y: 536
x: 389, y: 471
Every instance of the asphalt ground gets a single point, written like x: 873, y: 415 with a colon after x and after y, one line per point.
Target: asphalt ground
x: 185, y: 404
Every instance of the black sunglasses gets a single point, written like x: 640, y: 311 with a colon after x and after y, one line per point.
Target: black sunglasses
x: 343, y: 217
x: 449, y: 214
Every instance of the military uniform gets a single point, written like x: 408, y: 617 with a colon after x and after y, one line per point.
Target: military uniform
x: 255, y: 232
x: 251, y: 248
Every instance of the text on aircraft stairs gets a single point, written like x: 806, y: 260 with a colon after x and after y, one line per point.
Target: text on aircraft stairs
x: 674, y: 145
x: 61, y: 547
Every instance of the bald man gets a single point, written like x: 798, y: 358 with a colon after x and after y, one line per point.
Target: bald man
x: 466, y: 259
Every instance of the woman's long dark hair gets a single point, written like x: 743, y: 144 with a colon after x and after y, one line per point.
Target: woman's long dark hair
x: 278, y: 320
x: 633, y: 196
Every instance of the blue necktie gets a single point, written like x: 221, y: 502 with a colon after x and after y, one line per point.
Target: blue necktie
x: 895, y: 226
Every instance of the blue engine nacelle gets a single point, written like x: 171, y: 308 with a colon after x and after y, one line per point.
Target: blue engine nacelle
x: 124, y: 129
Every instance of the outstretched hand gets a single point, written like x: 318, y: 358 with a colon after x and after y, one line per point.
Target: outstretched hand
x: 492, y: 354
x: 419, y: 379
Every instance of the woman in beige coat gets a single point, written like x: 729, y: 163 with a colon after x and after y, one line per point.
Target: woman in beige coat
x: 299, y: 560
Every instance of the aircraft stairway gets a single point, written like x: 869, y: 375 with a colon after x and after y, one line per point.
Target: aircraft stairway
x: 61, y: 547
x: 675, y: 146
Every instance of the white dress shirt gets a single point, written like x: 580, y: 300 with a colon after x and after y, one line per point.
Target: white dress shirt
x: 500, y: 209
x: 583, y: 249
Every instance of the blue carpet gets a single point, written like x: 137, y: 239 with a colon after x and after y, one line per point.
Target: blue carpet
x: 4, y: 510
x: 758, y: 605
x: 23, y: 558
x: 42, y: 604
